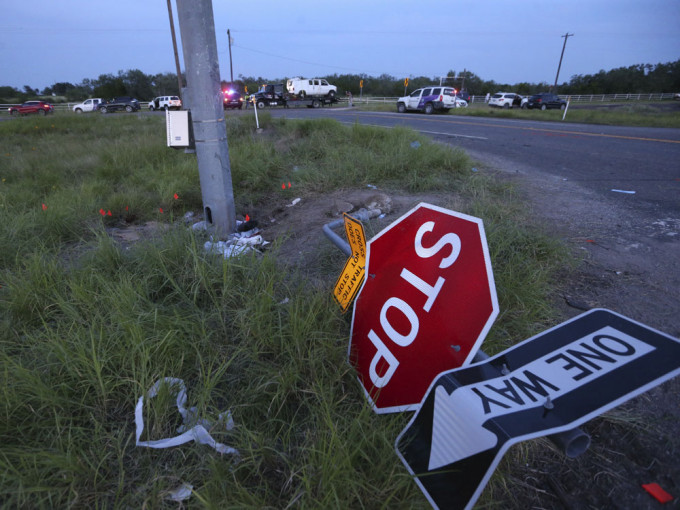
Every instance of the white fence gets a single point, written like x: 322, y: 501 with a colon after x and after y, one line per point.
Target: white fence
x: 583, y: 98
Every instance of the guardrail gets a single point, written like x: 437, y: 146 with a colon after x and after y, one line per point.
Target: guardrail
x: 580, y: 98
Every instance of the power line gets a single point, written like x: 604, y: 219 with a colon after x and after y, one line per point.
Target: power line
x: 318, y: 64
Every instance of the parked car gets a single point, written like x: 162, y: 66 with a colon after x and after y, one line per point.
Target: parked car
x: 165, y: 103
x: 129, y: 104
x: 464, y: 95
x: 315, y: 87
x: 505, y: 100
x: 38, y: 107
x: 232, y: 99
x: 89, y: 105
x: 546, y: 100
x: 431, y: 99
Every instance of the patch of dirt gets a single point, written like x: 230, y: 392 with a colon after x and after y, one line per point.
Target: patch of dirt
x: 299, y: 226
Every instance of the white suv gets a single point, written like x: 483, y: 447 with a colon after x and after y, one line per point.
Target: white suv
x: 507, y: 100
x: 165, y: 103
x: 314, y: 87
x: 431, y: 99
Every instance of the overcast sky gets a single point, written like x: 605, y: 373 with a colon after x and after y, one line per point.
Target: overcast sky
x: 510, y: 41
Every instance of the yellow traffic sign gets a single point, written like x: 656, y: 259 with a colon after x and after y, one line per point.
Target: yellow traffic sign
x: 354, y: 272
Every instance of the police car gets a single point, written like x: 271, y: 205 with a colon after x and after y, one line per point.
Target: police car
x: 431, y: 99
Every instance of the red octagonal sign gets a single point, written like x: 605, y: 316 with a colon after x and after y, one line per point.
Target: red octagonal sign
x: 427, y: 303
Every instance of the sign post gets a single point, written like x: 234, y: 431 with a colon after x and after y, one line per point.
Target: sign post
x: 545, y: 385
x: 426, y: 304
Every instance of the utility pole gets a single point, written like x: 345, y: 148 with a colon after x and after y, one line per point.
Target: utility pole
x: 566, y: 36
x: 174, y: 48
x: 231, y: 68
x: 199, y: 46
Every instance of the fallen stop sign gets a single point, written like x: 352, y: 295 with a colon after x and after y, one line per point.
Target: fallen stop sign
x: 426, y: 305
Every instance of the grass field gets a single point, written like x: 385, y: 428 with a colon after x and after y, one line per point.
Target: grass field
x: 87, y: 325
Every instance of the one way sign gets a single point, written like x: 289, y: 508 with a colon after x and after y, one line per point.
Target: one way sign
x: 547, y: 384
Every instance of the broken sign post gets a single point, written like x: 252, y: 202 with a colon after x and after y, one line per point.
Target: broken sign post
x: 547, y: 384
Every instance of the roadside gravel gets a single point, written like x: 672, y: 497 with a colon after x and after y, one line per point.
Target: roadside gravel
x: 627, y: 260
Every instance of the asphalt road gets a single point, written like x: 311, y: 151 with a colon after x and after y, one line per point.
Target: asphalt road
x: 601, y: 158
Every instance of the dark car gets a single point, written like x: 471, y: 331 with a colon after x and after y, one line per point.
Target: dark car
x: 463, y: 94
x: 39, y: 107
x: 232, y: 99
x: 129, y: 104
x: 545, y: 101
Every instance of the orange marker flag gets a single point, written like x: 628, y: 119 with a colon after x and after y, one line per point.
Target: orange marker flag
x: 176, y: 196
x: 44, y: 207
x: 160, y: 209
x: 102, y: 212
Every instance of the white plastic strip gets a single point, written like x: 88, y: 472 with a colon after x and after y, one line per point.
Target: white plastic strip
x: 196, y: 433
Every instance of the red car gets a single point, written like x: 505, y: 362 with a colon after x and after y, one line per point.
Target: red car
x: 39, y: 107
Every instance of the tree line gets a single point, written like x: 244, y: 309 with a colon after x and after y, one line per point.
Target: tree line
x: 635, y: 79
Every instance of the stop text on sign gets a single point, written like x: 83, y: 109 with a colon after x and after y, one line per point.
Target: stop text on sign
x: 426, y: 304
x: 428, y: 291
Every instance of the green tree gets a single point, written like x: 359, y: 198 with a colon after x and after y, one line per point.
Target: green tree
x: 137, y: 84
x: 108, y: 86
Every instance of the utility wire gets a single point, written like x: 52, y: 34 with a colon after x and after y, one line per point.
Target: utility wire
x: 311, y: 63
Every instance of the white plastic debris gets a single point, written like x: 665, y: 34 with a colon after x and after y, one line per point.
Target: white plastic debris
x: 181, y: 493
x: 193, y: 429
x: 623, y: 191
x: 237, y: 244
x: 201, y: 225
x: 294, y: 202
x: 415, y: 145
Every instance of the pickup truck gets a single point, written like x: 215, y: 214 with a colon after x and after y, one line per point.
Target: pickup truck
x: 276, y: 95
x: 89, y: 105
x: 129, y: 104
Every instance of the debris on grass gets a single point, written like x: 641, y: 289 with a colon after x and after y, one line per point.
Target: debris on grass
x: 193, y: 429
x: 657, y: 492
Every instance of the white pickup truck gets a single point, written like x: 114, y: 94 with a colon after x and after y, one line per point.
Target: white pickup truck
x: 89, y: 105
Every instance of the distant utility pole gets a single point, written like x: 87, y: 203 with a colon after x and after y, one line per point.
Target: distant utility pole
x: 231, y: 68
x: 197, y: 27
x: 566, y: 36
x: 174, y: 48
